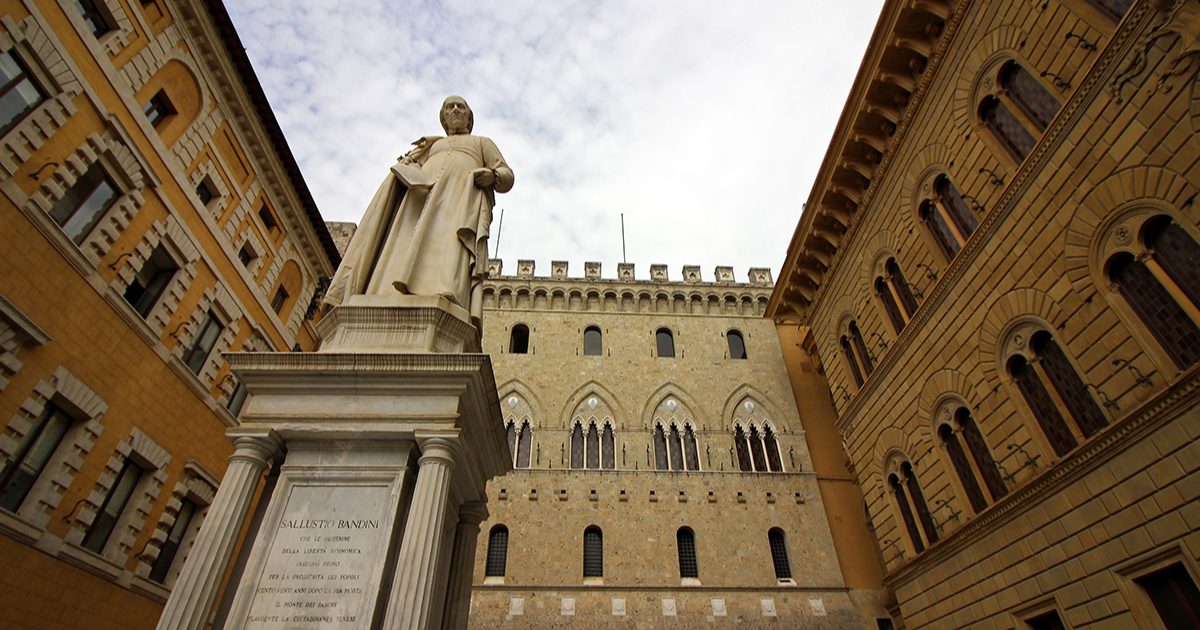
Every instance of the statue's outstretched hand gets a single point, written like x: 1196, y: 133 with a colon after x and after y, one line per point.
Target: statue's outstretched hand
x: 484, y: 177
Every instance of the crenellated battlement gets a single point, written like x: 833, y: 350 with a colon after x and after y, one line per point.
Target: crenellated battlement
x: 625, y: 293
x: 758, y: 276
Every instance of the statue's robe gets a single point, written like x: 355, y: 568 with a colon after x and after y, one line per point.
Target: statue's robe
x: 427, y: 240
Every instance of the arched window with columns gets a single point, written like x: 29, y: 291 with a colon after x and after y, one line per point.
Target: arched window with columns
x: 1051, y: 387
x: 947, y: 217
x: 909, y: 502
x: 1015, y: 106
x: 968, y: 455
x: 1158, y: 276
x: 895, y: 295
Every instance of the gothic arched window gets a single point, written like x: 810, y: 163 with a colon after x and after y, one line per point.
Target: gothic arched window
x: 593, y: 552
x: 1162, y: 287
x: 742, y: 444
x: 1044, y: 363
x: 860, y: 349
x: 577, y: 446
x: 660, y: 448
x: 675, y: 449
x: 896, y: 296
x: 685, y: 541
x: 779, y: 554
x: 497, y: 553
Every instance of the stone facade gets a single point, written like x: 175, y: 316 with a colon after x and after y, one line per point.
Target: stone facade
x: 534, y: 329
x: 977, y: 267
x: 113, y: 329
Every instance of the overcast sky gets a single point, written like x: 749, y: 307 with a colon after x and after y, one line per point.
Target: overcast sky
x: 703, y: 122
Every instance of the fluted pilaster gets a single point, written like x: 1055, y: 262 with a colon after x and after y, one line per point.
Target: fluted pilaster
x: 462, y: 567
x: 195, y: 590
x: 414, y: 592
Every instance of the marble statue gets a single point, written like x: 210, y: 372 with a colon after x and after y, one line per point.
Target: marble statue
x: 425, y: 231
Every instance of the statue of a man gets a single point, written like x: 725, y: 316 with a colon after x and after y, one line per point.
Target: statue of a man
x: 426, y: 230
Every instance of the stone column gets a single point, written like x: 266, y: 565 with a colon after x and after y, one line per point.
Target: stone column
x: 414, y: 589
x: 462, y: 567
x: 195, y: 590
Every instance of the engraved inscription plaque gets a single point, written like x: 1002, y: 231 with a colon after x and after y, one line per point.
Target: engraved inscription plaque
x: 322, y: 569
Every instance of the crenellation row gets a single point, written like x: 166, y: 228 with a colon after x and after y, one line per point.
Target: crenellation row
x: 723, y: 275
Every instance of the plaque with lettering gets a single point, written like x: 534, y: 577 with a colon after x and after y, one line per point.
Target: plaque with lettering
x: 323, y: 565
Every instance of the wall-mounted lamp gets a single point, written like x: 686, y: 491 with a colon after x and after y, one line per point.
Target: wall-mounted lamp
x: 1142, y: 379
x: 1083, y: 43
x: 1059, y: 82
x: 996, y: 179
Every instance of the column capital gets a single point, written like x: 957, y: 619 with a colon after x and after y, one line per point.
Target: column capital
x: 439, y: 448
x: 256, y: 446
x: 472, y: 513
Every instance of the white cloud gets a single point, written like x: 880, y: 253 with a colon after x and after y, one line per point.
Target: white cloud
x: 703, y: 122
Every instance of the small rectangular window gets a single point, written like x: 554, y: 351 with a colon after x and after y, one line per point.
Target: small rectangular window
x: 151, y: 282
x: 277, y: 302
x: 268, y: 218
x: 170, y: 547
x: 85, y: 203
x: 246, y: 255
x: 205, y: 192
x: 114, y: 504
x: 1047, y: 621
x: 33, y: 453
x: 158, y: 108
x: 19, y: 94
x: 202, y: 344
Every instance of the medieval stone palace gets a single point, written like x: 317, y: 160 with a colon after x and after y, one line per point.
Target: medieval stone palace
x: 968, y: 400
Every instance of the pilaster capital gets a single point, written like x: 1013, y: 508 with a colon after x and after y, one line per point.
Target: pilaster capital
x: 472, y: 513
x: 441, y: 449
x: 256, y: 446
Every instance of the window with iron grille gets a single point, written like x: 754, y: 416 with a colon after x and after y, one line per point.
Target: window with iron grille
x: 497, y: 554
x: 686, y: 540
x: 783, y: 569
x: 1044, y: 410
x: 593, y: 552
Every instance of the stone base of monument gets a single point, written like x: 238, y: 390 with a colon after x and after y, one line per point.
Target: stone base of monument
x: 398, y: 323
x: 373, y: 520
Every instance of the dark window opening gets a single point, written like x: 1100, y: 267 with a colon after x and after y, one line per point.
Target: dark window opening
x: 268, y: 218
x: 593, y: 552
x: 593, y: 447
x: 519, y: 341
x: 151, y: 282
x: 593, y: 342
x: 1047, y: 621
x: 966, y: 476
x: 277, y: 302
x: 918, y: 500
x: 32, y: 455
x: 85, y: 203
x: 743, y: 450
x: 205, y: 192
x: 1070, y: 387
x: 1175, y: 597
x: 774, y: 463
x: 907, y: 299
x: 906, y: 515
x: 497, y: 553
x: 666, y: 343
x: 890, y: 308
x: 686, y: 542
x: 981, y: 454
x: 943, y: 236
x: 691, y: 458
x: 779, y: 555
x: 246, y: 255
x: 158, y: 108
x: 848, y: 355
x: 524, y: 440
x: 608, y: 458
x: 737, y: 345
x: 19, y: 94
x: 114, y: 504
x: 577, y: 446
x: 660, y: 448
x: 170, y: 547
x: 94, y: 17
x: 1113, y: 9
x: 860, y: 347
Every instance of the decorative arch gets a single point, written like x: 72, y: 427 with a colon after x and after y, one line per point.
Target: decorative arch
x: 767, y: 409
x: 178, y: 82
x: 1005, y: 312
x: 988, y: 53
x: 581, y: 393
x: 945, y: 383
x: 882, y: 246
x: 1104, y: 208
x: 926, y: 164
x: 893, y: 440
x: 522, y: 389
x: 667, y: 390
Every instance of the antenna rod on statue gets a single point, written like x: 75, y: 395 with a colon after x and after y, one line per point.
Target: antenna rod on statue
x: 622, y: 238
x: 499, y: 228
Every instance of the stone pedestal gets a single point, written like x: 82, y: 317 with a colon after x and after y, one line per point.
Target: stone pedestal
x: 385, y: 439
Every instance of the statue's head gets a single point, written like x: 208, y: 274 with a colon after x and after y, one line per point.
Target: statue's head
x: 456, y: 116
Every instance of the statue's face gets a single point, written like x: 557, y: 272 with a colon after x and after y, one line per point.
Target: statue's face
x: 456, y: 116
